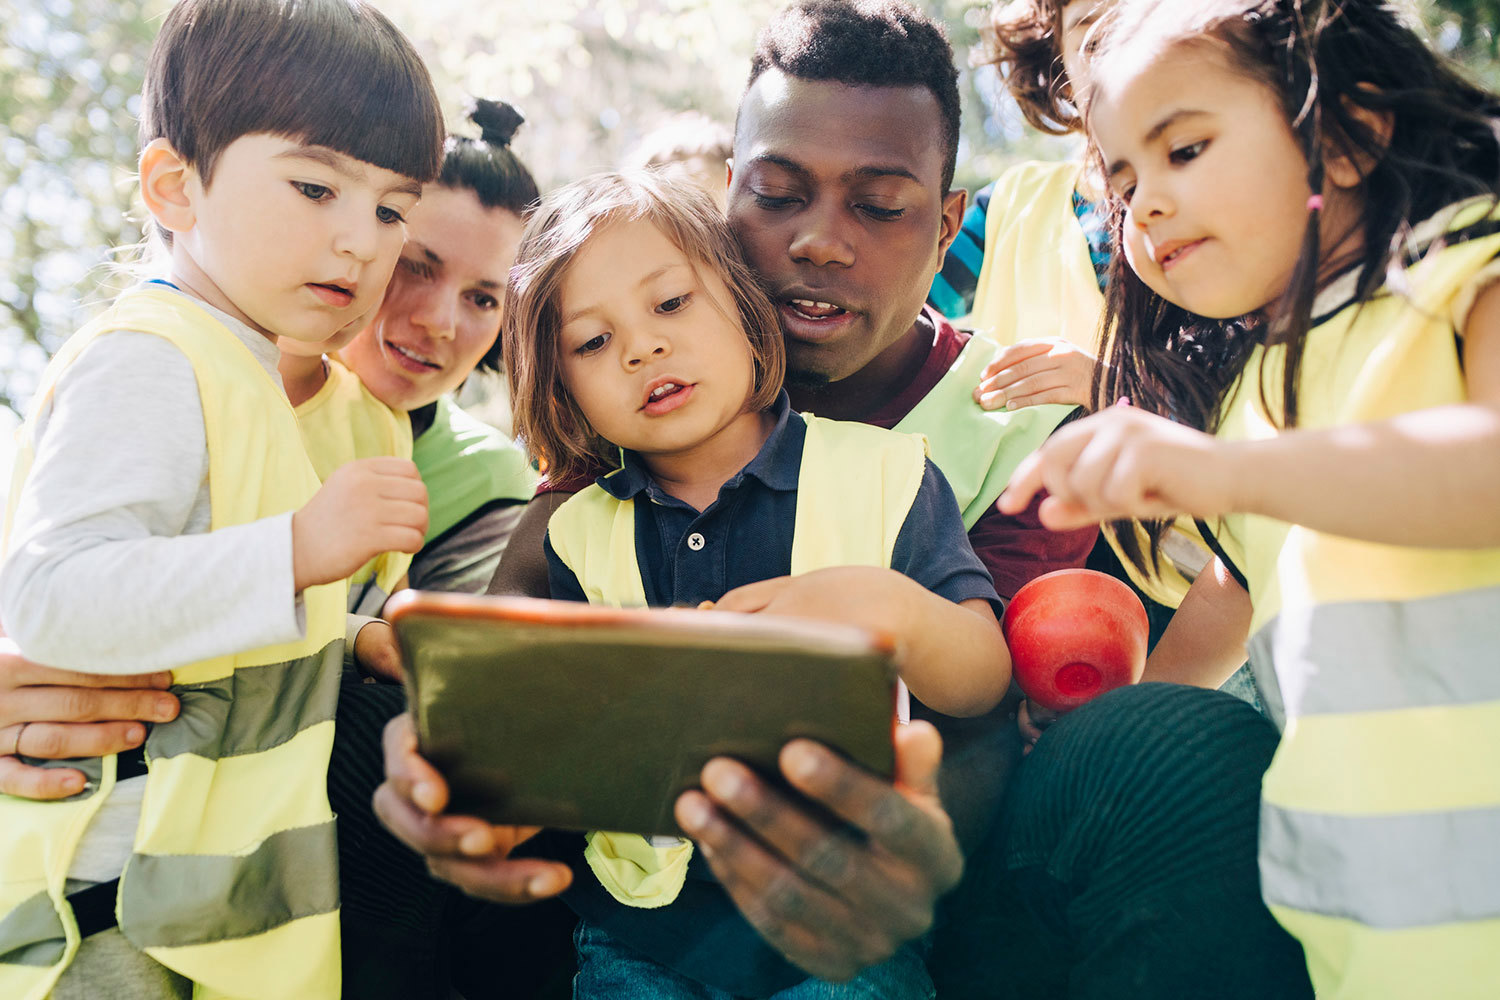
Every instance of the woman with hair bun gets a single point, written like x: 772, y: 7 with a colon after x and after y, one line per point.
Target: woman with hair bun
x: 440, y: 320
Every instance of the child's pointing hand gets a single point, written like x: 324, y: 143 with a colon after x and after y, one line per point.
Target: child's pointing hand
x: 1124, y: 463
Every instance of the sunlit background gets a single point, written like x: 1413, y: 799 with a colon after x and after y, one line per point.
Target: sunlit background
x: 591, y: 78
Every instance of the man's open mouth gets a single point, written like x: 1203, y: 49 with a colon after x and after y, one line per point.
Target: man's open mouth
x: 812, y: 309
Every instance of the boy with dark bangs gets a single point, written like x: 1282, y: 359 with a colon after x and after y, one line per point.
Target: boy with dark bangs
x: 165, y: 516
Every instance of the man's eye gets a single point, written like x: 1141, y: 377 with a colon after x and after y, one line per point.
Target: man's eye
x: 771, y: 201
x: 313, y: 192
x: 883, y: 214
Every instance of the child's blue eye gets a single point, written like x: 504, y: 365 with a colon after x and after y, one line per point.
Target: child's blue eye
x: 675, y: 304
x: 313, y: 192
x: 389, y: 216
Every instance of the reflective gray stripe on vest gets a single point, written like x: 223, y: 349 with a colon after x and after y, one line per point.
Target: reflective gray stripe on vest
x: 32, y: 934
x: 1388, y: 872
x: 184, y: 899
x: 1373, y: 656
x: 253, y: 709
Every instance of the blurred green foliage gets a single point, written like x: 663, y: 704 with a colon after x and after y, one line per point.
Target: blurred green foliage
x: 592, y: 76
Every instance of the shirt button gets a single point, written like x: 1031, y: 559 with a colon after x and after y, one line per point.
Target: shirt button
x: 695, y: 541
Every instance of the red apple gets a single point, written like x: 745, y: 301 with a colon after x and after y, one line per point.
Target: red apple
x: 1073, y: 635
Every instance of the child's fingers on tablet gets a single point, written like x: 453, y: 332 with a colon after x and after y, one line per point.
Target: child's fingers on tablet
x: 753, y: 597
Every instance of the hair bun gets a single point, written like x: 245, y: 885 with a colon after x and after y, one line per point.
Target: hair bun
x: 497, y: 121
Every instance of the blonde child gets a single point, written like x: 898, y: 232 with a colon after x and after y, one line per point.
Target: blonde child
x: 637, y: 339
x: 1306, y: 196
x: 167, y: 516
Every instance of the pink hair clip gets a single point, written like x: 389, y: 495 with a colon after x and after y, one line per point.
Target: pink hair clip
x: 1315, y: 203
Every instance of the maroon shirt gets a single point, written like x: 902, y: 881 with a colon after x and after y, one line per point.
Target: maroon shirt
x: 1015, y: 549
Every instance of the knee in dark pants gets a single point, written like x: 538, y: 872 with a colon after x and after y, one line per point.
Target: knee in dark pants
x: 1123, y: 863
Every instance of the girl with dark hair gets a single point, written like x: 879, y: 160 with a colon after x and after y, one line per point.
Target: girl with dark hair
x: 1306, y: 196
x: 1042, y: 233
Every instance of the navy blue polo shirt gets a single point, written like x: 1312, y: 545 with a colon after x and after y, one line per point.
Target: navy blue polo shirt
x: 686, y: 557
x: 745, y: 536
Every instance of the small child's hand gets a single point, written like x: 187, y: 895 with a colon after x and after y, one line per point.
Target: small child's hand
x: 366, y: 507
x: 1029, y: 372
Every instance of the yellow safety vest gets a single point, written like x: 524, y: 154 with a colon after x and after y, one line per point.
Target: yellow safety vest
x: 233, y: 881
x: 855, y: 486
x: 1380, y: 821
x: 977, y: 449
x: 341, y: 422
x: 1038, y: 281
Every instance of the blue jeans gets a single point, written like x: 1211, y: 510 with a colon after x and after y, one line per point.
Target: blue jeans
x: 607, y: 970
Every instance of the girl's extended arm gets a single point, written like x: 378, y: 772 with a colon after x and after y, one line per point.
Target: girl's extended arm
x: 1205, y: 641
x: 952, y: 656
x: 1428, y: 478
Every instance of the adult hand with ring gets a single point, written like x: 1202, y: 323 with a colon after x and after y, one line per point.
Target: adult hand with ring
x: 63, y: 714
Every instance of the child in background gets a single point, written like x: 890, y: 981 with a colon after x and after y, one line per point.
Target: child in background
x: 1306, y: 195
x: 637, y: 337
x: 1029, y: 265
x: 1040, y: 230
x: 690, y: 147
x: 168, y: 517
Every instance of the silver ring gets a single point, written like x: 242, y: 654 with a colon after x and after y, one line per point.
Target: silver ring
x: 16, y: 752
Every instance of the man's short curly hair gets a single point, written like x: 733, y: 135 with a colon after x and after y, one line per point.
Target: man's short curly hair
x: 865, y: 43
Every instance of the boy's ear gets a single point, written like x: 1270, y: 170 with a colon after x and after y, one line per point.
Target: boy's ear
x: 167, y: 181
x: 1345, y: 164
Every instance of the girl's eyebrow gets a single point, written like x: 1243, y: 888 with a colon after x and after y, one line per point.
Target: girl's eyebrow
x: 1154, y: 133
x: 575, y: 314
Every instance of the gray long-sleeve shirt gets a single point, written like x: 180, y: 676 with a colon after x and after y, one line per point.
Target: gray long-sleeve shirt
x: 111, y: 567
